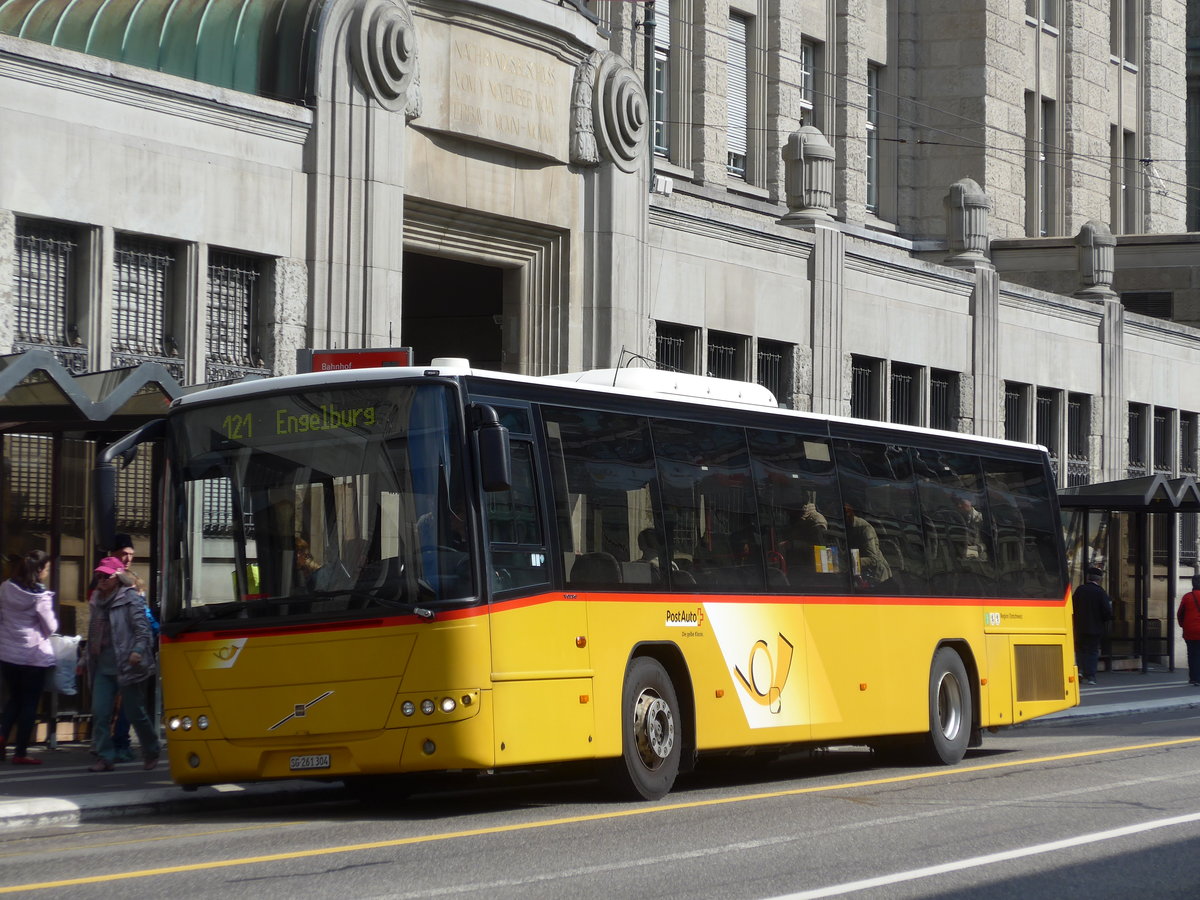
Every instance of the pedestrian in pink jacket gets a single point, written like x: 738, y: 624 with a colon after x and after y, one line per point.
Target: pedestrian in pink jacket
x: 26, y: 622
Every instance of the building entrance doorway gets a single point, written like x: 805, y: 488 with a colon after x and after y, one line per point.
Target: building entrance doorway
x: 453, y: 308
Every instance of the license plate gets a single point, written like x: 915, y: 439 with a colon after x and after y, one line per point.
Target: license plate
x: 316, y: 761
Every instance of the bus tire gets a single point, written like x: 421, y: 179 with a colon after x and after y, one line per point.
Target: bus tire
x: 949, y: 709
x: 651, y: 733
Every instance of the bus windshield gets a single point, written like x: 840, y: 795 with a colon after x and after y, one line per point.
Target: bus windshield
x: 324, y: 504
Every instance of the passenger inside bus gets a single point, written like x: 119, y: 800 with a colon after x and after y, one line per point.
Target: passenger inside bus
x: 868, y: 565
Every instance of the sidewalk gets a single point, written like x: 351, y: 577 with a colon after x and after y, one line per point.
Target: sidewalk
x: 62, y: 792
x: 1125, y: 693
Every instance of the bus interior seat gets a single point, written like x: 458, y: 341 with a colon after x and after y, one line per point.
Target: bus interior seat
x: 597, y: 568
x: 640, y: 571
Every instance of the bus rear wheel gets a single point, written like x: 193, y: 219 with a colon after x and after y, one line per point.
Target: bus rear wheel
x: 949, y: 709
x: 650, y: 729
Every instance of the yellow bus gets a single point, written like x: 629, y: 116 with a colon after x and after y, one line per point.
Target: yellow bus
x: 397, y: 571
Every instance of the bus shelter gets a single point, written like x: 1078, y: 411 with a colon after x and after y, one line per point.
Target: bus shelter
x: 1131, y: 529
x: 53, y: 423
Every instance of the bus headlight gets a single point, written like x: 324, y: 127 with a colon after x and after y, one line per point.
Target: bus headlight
x: 202, y: 722
x: 408, y: 708
x: 448, y: 704
x: 427, y: 707
x: 175, y: 724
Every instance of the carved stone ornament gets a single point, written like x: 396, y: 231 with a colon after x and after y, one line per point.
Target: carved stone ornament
x: 609, y: 115
x: 383, y: 49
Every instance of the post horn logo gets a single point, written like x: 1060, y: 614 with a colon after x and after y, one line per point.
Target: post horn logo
x: 768, y: 694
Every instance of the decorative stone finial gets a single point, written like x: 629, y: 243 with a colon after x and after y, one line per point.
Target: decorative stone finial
x: 1097, y: 250
x: 609, y: 115
x: 808, y: 176
x: 967, y: 208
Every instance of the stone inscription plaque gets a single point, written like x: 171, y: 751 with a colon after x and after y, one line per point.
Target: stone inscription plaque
x: 501, y: 92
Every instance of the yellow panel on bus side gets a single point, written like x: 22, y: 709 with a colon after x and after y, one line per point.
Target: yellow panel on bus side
x: 545, y: 720
x: 996, y: 696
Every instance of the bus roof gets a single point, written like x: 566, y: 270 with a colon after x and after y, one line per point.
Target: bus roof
x: 644, y: 383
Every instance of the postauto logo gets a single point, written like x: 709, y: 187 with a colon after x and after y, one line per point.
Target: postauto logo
x: 767, y: 673
x: 685, y: 618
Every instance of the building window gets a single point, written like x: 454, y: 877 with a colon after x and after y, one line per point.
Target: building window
x: 1162, y: 446
x: 1187, y: 443
x: 45, y: 291
x: 143, y: 293
x: 904, y: 402
x: 1046, y: 422
x: 662, y: 78
x: 1130, y: 182
x: 1157, y: 304
x: 1044, y: 12
x: 1131, y: 14
x: 1016, y: 417
x: 231, y: 333
x: 737, y: 96
x: 726, y: 356
x: 1046, y: 170
x: 808, y: 76
x: 1078, y: 458
x: 873, y: 73
x: 675, y: 347
x: 1136, y: 441
x: 942, y: 398
x: 774, y: 370
x: 866, y: 375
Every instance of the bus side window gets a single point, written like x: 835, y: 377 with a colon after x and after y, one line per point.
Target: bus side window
x: 708, y: 502
x: 958, y: 524
x: 800, y: 513
x: 602, y: 466
x: 884, y: 535
x: 1027, y: 553
x: 518, y: 543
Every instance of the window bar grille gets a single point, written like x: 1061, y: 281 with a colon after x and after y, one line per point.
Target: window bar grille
x: 670, y: 350
x: 722, y: 357
x: 133, y: 495
x: 231, y: 316
x: 29, y: 457
x: 1187, y: 444
x: 1163, y: 447
x: 861, y: 385
x: 44, y: 285
x: 902, y: 406
x: 1189, y: 537
x: 1078, y: 462
x: 1137, y: 456
x: 940, y: 397
x: 771, y: 374
x: 1014, y: 415
x: 141, y: 296
x: 1047, y: 432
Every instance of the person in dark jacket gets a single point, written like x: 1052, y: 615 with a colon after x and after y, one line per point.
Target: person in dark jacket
x: 1189, y: 621
x: 1093, y: 612
x: 120, y: 659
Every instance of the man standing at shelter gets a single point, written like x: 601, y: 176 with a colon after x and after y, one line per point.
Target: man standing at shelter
x: 1093, y: 612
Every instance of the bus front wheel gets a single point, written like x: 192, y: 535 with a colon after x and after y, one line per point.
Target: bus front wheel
x: 949, y: 709
x: 650, y: 729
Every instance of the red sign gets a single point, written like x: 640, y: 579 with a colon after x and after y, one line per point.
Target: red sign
x: 339, y: 360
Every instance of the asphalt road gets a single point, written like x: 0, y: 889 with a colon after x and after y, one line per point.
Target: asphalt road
x: 1096, y: 808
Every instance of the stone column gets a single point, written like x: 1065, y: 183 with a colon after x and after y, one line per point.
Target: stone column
x: 808, y: 177
x: 1096, y: 250
x: 8, y: 277
x: 827, y: 273
x: 1116, y: 421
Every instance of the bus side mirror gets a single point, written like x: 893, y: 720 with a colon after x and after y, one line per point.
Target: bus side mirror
x: 495, y: 455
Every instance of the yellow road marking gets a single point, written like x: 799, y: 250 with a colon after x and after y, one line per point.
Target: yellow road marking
x: 574, y: 820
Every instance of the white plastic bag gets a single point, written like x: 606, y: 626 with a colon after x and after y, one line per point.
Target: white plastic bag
x: 66, y: 656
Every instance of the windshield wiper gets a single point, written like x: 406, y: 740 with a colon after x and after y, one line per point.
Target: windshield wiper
x: 208, y: 612
x: 375, y: 597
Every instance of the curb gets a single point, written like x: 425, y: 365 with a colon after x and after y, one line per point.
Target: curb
x: 36, y: 812
x: 1113, y: 709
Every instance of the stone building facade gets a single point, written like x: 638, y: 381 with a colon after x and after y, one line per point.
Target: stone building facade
x: 914, y: 210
